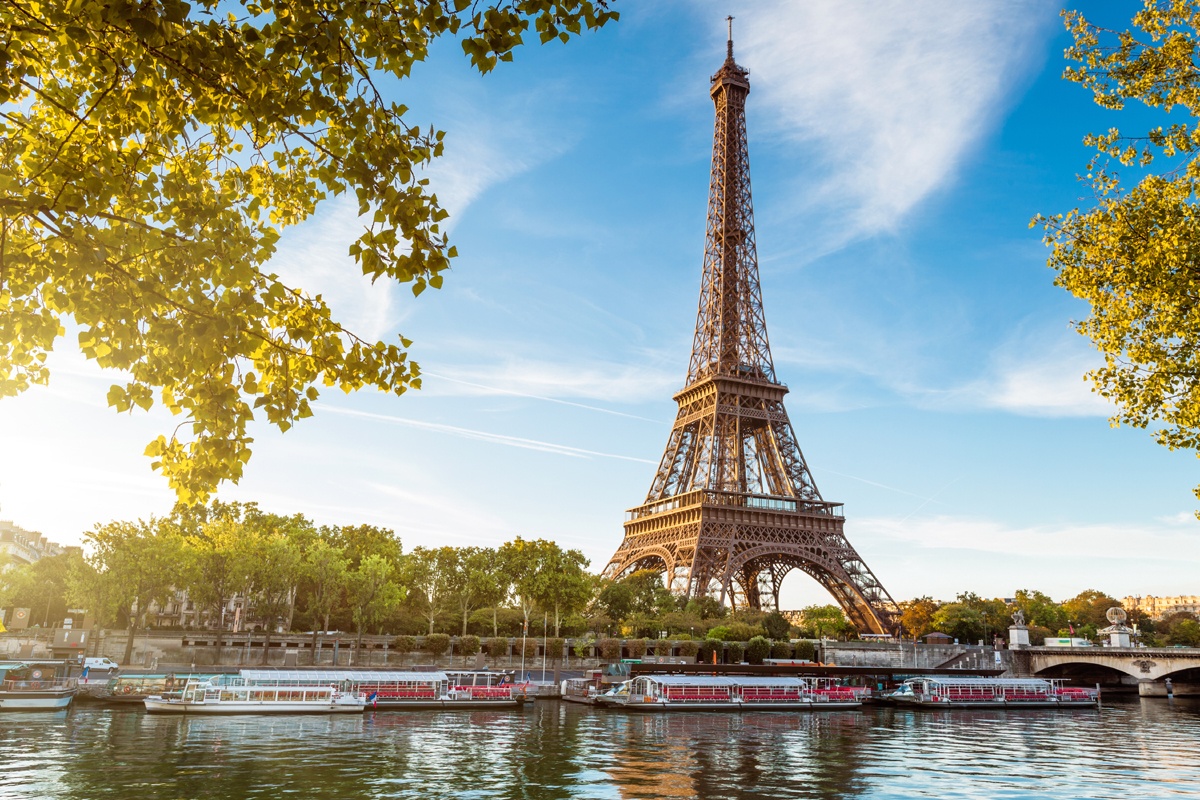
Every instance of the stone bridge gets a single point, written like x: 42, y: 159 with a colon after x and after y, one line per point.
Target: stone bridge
x: 1146, y: 668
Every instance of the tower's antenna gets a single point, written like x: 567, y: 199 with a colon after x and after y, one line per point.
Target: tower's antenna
x: 729, y: 42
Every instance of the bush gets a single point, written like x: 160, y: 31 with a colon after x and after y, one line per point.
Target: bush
x: 436, y: 644
x: 744, y: 632
x: 806, y: 651
x: 776, y: 625
x: 709, y: 648
x: 404, y: 644
x: 721, y: 633
x: 636, y: 647
x: 531, y: 648
x: 467, y: 645
x: 734, y: 652
x: 554, y: 649
x: 610, y: 649
x: 781, y: 650
x: 583, y: 647
x: 689, y: 649
x: 757, y: 649
x: 497, y: 647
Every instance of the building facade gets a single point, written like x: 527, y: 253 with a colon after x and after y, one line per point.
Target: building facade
x: 1158, y: 607
x: 19, y: 546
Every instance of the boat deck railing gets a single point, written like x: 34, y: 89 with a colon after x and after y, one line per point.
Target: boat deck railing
x: 38, y: 685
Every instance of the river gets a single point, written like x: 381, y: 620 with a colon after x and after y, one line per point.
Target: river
x: 1130, y: 748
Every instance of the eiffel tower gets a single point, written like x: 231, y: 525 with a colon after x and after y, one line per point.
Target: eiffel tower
x: 733, y: 507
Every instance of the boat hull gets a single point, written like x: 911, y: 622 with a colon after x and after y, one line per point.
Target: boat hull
x: 1003, y: 705
x: 733, y: 705
x: 437, y: 703
x: 159, y: 706
x: 35, y: 701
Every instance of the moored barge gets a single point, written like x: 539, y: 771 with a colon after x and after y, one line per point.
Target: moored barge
x: 947, y: 692
x: 34, y: 686
x: 238, y: 696
x: 727, y: 693
x: 407, y: 690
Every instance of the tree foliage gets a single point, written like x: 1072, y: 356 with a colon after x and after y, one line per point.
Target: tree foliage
x: 137, y: 559
x: 916, y: 616
x: 154, y: 154
x: 373, y: 593
x: 1133, y: 254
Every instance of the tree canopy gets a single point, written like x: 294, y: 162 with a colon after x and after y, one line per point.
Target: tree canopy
x: 154, y: 153
x: 1133, y: 254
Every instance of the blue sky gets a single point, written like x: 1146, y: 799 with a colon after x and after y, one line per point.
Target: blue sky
x: 898, y: 152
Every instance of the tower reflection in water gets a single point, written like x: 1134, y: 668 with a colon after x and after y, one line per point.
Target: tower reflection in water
x: 721, y: 755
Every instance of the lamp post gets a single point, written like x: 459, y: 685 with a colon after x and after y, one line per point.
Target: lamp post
x: 524, y: 633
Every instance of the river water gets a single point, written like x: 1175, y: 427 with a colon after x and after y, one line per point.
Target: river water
x: 1131, y: 748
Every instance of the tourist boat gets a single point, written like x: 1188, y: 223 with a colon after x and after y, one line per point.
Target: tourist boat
x: 944, y: 692
x: 405, y: 689
x: 34, y: 686
x: 726, y: 693
x: 234, y: 695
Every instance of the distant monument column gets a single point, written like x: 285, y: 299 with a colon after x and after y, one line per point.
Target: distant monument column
x: 1018, y: 632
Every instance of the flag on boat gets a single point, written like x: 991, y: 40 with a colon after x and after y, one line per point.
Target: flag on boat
x: 1071, y: 628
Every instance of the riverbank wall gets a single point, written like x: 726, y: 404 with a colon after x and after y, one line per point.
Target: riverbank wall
x: 175, y: 650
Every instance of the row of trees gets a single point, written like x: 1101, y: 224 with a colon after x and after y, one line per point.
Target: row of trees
x: 971, y: 618
x: 234, y: 566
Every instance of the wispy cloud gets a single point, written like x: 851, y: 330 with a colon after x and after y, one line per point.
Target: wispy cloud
x: 1033, y: 375
x: 485, y: 436
x: 557, y: 381
x: 1174, y: 543
x: 887, y: 98
x: 485, y: 146
x: 481, y: 389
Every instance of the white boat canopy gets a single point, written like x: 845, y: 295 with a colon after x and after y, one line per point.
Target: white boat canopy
x: 1009, y: 683
x: 323, y: 676
x: 723, y: 680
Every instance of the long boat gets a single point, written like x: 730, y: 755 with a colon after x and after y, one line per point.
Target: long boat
x: 946, y: 692
x: 229, y: 695
x: 401, y: 690
x: 726, y: 693
x: 34, y: 686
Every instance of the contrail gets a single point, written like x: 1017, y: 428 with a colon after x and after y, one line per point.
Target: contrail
x: 541, y: 397
x: 484, y: 436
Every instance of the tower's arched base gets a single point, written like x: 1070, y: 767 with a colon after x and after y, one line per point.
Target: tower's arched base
x: 740, y: 556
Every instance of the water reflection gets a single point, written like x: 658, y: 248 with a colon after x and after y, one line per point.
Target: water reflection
x: 555, y: 751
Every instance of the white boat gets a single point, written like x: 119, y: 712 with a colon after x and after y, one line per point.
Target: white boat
x: 34, y: 686
x: 236, y: 696
x: 398, y: 690
x: 583, y: 690
x: 946, y: 692
x: 725, y: 693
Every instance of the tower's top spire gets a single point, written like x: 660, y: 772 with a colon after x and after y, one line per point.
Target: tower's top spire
x: 730, y: 72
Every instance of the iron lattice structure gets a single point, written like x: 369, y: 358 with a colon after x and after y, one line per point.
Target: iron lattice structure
x: 733, y: 507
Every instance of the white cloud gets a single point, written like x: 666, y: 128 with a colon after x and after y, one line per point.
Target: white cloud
x: 886, y: 98
x: 548, y: 380
x: 1174, y: 543
x: 484, y: 147
x: 1047, y: 383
